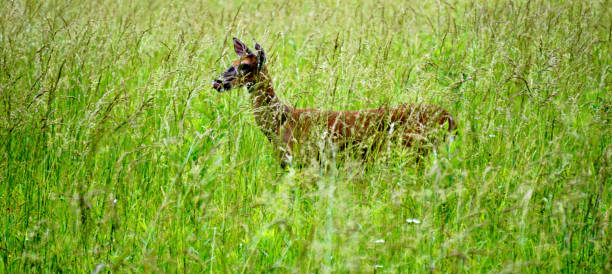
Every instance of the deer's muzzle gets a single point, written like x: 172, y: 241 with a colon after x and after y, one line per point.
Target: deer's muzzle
x: 220, y: 86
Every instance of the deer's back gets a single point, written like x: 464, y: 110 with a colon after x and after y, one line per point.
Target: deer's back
x: 354, y: 126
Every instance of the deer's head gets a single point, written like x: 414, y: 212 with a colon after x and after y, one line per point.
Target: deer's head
x: 247, y: 70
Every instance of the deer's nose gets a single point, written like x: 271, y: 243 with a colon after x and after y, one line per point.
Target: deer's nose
x: 217, y: 84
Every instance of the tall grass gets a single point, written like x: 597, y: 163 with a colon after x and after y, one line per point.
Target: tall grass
x: 117, y: 155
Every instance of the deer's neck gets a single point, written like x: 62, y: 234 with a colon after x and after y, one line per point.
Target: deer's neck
x: 270, y: 113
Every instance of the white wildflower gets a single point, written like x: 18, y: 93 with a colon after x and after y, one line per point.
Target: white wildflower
x: 413, y: 221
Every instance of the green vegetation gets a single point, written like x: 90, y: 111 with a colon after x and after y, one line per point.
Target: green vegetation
x: 115, y: 153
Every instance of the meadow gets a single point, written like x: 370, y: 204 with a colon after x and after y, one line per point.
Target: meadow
x: 117, y: 155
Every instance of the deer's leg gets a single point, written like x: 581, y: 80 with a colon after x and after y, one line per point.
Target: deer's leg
x: 286, y: 146
x: 286, y: 160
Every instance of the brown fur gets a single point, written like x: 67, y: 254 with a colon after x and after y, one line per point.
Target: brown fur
x: 359, y: 131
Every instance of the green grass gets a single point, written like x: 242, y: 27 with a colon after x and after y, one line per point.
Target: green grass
x: 115, y: 153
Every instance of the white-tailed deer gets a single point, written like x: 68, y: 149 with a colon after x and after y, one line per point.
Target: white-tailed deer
x: 296, y: 133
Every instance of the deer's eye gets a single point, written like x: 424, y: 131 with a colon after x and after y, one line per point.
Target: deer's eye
x: 244, y: 67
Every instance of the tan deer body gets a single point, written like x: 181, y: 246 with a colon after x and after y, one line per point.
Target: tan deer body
x: 298, y: 132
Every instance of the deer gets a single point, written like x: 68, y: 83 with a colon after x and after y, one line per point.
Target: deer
x: 299, y: 133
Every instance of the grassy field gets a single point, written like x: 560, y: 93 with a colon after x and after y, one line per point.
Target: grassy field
x: 116, y: 154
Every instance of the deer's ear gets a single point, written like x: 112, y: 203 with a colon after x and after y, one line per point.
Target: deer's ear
x: 240, y: 48
x: 261, y: 55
